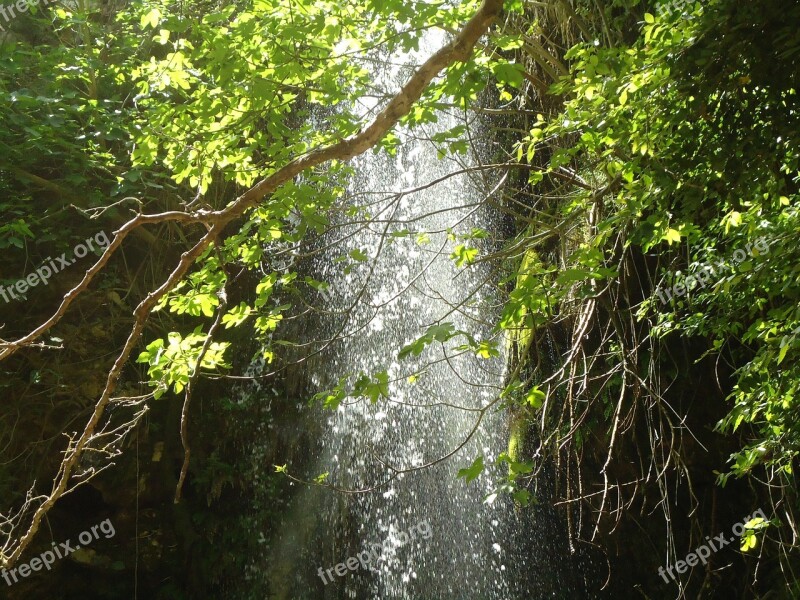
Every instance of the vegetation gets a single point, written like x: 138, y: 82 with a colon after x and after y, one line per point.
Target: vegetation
x: 649, y: 281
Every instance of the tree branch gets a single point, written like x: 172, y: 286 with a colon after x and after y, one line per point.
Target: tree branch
x: 459, y: 49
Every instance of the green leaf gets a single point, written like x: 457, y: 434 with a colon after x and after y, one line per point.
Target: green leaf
x: 782, y: 353
x: 471, y: 472
x: 151, y: 19
x: 520, y: 468
x: 535, y: 397
x: 508, y: 73
x: 439, y: 333
x: 463, y: 255
x: 749, y: 541
x: 522, y: 497
x: 372, y: 389
x: 236, y: 316
x: 358, y: 255
x: 672, y: 235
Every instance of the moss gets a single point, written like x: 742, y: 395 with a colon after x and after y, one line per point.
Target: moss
x: 518, y: 339
x: 518, y: 433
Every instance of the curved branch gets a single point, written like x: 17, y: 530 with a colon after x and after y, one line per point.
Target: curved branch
x: 9, y: 348
x: 459, y: 49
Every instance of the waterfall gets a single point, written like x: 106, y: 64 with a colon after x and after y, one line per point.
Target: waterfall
x: 411, y: 287
x: 436, y: 536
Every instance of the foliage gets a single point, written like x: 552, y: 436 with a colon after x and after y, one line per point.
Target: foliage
x: 667, y: 144
x: 681, y: 148
x: 679, y: 144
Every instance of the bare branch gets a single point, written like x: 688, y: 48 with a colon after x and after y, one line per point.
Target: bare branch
x: 459, y: 49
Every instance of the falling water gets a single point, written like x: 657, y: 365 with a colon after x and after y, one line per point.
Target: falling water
x: 461, y: 545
